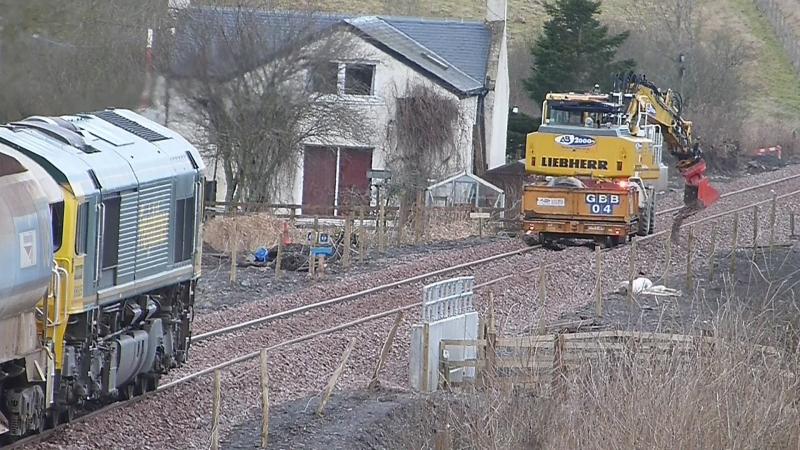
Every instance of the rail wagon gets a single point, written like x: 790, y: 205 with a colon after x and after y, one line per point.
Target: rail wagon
x: 100, y: 239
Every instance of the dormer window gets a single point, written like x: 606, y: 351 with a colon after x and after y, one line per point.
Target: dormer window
x: 344, y: 79
x: 358, y: 79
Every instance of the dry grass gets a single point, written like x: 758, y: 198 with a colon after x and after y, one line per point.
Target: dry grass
x: 251, y: 231
x: 733, y: 398
x: 263, y: 230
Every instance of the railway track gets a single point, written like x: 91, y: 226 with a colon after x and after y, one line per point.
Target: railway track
x: 212, y: 335
x: 417, y: 278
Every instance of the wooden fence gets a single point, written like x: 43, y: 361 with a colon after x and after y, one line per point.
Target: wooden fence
x: 372, y: 213
x: 545, y: 358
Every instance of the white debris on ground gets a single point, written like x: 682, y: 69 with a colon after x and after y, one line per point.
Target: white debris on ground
x: 644, y: 286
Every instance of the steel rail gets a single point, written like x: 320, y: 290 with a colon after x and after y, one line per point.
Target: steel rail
x: 393, y: 311
x: 283, y: 314
x: 355, y: 295
x: 740, y: 191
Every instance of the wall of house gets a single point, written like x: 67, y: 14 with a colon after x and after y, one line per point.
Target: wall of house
x: 497, y: 126
x: 495, y: 119
x: 391, y: 79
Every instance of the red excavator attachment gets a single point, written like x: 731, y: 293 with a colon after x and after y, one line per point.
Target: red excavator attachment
x: 699, y: 193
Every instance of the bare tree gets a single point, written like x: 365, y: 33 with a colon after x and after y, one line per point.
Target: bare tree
x: 264, y: 84
x: 519, y: 70
x: 424, y: 139
x: 673, y: 46
x: 62, y: 57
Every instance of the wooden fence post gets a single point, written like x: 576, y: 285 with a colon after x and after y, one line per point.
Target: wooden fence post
x: 348, y: 239
x: 755, y: 228
x: 335, y: 377
x: 418, y: 219
x: 631, y: 271
x: 491, y: 340
x: 381, y: 227
x: 362, y: 238
x: 234, y: 257
x: 444, y: 370
x: 320, y: 270
x: 312, y: 263
x: 279, y: 259
x: 668, y: 261
x: 400, y: 223
x: 426, y: 348
x: 441, y: 439
x: 735, y: 242
x: 712, y: 259
x: 215, y: 410
x: 542, y: 298
x: 598, y: 288
x: 558, y: 383
x: 387, y: 347
x: 772, y: 216
x: 689, y: 242
x: 264, y: 400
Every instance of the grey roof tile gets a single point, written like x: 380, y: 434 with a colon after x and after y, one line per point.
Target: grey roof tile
x: 464, y: 44
x: 417, y: 44
x: 455, y: 52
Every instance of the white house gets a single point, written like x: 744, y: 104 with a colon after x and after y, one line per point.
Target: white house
x: 463, y: 60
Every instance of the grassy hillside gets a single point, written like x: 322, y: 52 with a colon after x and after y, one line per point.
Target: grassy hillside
x: 775, y: 85
x: 770, y: 71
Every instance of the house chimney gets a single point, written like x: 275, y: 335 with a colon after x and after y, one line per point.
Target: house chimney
x: 496, y: 10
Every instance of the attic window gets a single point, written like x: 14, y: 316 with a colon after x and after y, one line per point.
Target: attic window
x: 358, y: 79
x: 325, y: 78
x: 343, y: 79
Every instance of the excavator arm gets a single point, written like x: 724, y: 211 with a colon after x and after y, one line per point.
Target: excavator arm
x: 651, y: 106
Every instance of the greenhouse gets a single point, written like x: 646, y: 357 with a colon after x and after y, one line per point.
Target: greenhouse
x: 465, y: 189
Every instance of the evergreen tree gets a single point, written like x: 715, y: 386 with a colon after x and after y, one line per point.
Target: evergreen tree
x: 575, y: 51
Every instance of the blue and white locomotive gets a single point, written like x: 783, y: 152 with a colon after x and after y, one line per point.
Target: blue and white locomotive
x: 100, y: 244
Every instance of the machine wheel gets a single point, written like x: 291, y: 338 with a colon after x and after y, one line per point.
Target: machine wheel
x: 611, y: 241
x: 152, y: 382
x: 128, y: 391
x: 645, y: 218
x: 529, y: 240
x: 53, y: 417
x: 141, y: 384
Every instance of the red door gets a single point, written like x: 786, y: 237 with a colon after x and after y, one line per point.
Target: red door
x: 319, y: 180
x: 353, y: 182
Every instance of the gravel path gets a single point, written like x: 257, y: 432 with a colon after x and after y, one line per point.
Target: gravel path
x: 179, y: 418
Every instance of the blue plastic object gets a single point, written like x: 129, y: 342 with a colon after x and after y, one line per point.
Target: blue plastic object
x: 326, y: 251
x: 261, y: 254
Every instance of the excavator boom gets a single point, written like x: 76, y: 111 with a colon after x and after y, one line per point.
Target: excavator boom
x: 664, y: 109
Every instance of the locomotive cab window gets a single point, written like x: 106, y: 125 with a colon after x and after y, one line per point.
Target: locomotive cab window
x: 57, y: 214
x: 82, y: 229
x: 183, y: 245
x: 111, y: 232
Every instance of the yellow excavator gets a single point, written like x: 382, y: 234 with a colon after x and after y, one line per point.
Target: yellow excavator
x: 597, y: 159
